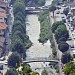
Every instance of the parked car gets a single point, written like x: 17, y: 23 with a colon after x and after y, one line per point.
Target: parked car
x: 71, y: 27
x: 1, y: 67
x: 64, y: 20
x: 61, y: 12
x: 73, y: 34
x: 71, y: 46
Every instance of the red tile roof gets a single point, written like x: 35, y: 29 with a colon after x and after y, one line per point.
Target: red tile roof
x: 3, y: 14
x: 3, y: 26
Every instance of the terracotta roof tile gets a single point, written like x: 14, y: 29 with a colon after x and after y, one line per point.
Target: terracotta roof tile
x: 3, y: 15
x: 3, y: 26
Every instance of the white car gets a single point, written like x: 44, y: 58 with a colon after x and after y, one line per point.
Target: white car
x: 71, y: 28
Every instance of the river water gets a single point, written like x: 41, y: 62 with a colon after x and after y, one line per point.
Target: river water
x: 37, y: 49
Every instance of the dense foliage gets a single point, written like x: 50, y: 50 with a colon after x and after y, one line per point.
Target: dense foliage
x: 11, y: 71
x: 43, y: 18
x: 19, y: 41
x: 69, y: 68
x: 25, y: 69
x: 45, y: 30
x: 63, y: 46
x: 66, y: 58
x: 60, y: 31
x: 14, y: 59
x: 55, y: 25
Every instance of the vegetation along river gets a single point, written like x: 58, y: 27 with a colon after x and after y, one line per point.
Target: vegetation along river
x: 37, y: 49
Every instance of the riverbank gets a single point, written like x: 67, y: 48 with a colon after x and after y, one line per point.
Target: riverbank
x: 37, y: 49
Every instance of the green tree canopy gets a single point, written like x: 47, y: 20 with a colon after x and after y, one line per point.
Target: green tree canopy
x: 63, y: 46
x: 18, y: 25
x: 19, y: 6
x: 69, y: 68
x: 61, y: 31
x: 55, y: 25
x: 66, y: 58
x: 17, y: 44
x: 19, y: 16
x: 11, y: 71
x: 62, y: 39
x: 14, y: 59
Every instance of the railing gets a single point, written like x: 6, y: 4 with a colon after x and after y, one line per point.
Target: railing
x: 41, y: 59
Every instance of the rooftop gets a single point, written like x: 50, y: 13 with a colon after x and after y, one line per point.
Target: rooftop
x: 3, y: 4
x: 3, y: 15
x: 2, y: 10
x: 3, y: 26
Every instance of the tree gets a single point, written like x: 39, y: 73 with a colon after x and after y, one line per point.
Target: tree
x: 63, y: 46
x: 61, y: 31
x: 69, y: 68
x: 44, y: 72
x: 66, y: 58
x: 11, y: 71
x: 19, y: 6
x: 66, y: 11
x: 62, y: 39
x: 56, y: 24
x: 19, y: 16
x: 18, y: 25
x: 14, y: 59
x: 52, y: 9
x: 25, y: 70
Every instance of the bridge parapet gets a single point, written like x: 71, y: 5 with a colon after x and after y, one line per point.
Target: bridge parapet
x: 40, y: 59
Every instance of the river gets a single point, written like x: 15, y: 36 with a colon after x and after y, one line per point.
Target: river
x: 37, y: 49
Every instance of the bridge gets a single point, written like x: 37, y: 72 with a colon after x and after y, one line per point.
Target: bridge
x: 40, y: 59
x: 33, y: 10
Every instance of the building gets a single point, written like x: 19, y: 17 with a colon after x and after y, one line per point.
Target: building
x: 4, y: 9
